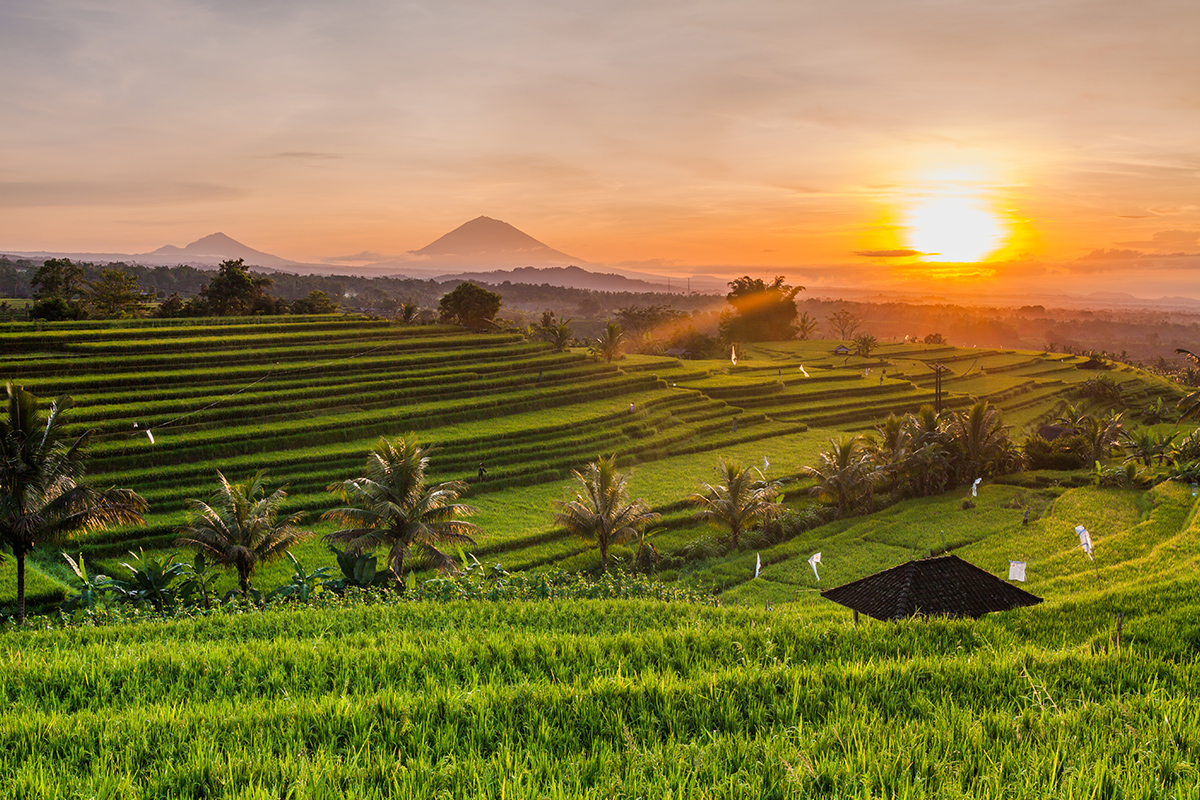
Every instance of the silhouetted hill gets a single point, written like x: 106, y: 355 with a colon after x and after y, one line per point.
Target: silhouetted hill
x: 213, y: 249
x: 485, y: 242
x: 572, y: 277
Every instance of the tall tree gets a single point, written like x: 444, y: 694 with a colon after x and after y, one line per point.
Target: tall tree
x: 761, y: 311
x: 235, y: 292
x: 58, y: 290
x: 391, y: 506
x: 600, y: 510
x: 806, y: 326
x: 469, y: 305
x: 240, y: 527
x: 117, y: 295
x: 642, y: 320
x: 740, y: 500
x: 842, y: 324
x: 41, y: 497
x: 61, y: 278
x: 316, y: 302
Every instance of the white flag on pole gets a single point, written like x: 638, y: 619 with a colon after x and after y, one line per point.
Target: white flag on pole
x: 975, y: 487
x: 150, y: 436
x: 766, y: 464
x: 1085, y: 541
x: 803, y: 371
x: 1016, y: 571
x: 733, y: 355
x: 813, y: 560
x: 757, y: 564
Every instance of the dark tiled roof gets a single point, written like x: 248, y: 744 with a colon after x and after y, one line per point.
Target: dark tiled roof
x: 942, y: 586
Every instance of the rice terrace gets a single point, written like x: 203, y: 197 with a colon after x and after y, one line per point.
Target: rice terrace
x: 703, y: 662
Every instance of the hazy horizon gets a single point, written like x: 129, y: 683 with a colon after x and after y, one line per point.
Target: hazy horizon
x: 1048, y: 145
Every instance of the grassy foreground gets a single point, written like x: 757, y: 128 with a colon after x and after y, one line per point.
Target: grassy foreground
x: 645, y: 698
x: 594, y: 699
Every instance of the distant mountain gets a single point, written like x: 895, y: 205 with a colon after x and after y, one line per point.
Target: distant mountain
x: 573, y: 277
x: 486, y: 243
x: 213, y: 249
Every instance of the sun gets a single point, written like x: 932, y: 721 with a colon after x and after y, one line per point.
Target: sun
x: 948, y: 217
x: 953, y: 228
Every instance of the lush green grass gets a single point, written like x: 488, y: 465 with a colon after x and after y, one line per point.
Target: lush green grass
x: 773, y: 693
x: 589, y: 699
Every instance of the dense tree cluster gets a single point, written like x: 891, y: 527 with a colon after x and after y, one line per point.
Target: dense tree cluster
x: 915, y: 455
x: 761, y: 311
x: 469, y: 305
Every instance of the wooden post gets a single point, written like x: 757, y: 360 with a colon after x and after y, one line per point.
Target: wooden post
x: 855, y: 617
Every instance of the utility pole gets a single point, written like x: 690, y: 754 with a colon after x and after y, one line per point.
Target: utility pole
x: 938, y: 369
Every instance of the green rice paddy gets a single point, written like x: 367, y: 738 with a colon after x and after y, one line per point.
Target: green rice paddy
x: 771, y: 693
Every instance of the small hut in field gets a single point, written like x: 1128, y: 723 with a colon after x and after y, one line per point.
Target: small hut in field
x: 944, y: 586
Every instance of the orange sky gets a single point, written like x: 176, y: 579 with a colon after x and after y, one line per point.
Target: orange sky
x: 669, y: 136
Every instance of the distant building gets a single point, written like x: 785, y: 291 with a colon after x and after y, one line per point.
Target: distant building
x: 841, y: 350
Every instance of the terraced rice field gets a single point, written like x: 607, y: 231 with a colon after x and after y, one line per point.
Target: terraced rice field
x: 305, y: 397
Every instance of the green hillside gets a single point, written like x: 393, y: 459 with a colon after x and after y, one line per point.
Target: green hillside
x: 743, y: 687
x: 305, y: 397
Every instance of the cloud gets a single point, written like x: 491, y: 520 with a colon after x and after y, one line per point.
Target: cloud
x: 1111, y: 255
x: 303, y: 155
x: 1167, y: 240
x: 891, y: 253
x: 18, y: 194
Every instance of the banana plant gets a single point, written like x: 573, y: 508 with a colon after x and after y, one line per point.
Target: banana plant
x: 199, y: 578
x: 92, y: 588
x: 359, y: 570
x: 150, y: 581
x: 303, y: 584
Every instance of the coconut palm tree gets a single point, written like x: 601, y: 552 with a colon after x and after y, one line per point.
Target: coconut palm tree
x: 1145, y: 446
x: 391, y: 506
x: 610, y: 344
x: 739, y: 500
x: 240, y: 527
x: 844, y: 473
x: 601, y: 510
x: 41, y: 498
x: 980, y: 439
x: 559, y: 334
x: 1189, y: 406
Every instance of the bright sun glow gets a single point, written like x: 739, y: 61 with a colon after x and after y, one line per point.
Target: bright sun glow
x: 949, y: 218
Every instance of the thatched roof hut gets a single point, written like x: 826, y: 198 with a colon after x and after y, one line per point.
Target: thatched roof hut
x: 941, y: 586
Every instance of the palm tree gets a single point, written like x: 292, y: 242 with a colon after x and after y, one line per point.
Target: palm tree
x: 1102, y: 435
x: 1189, y: 406
x: 559, y: 334
x: 392, y: 507
x: 610, y: 344
x: 41, y: 498
x: 843, y: 474
x: 980, y: 439
x: 739, y: 500
x: 240, y: 527
x: 601, y: 510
